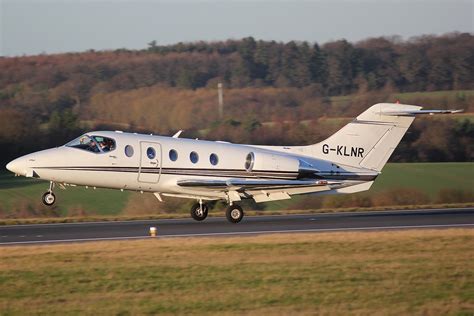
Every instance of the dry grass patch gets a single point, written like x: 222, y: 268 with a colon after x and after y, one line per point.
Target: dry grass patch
x: 422, y: 272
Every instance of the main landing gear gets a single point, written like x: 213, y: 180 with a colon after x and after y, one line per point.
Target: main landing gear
x: 48, y: 197
x: 234, y: 213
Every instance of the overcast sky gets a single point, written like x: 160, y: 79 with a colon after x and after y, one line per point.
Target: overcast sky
x: 50, y: 26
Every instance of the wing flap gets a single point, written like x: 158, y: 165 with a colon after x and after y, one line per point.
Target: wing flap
x: 259, y: 190
x: 267, y: 197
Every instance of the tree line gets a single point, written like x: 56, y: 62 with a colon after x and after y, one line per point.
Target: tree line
x: 424, y: 63
x: 275, y: 93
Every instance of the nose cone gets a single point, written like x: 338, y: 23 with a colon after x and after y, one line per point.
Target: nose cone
x: 10, y: 166
x: 17, y: 166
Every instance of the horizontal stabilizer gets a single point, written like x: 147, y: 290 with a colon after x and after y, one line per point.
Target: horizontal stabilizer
x: 417, y: 112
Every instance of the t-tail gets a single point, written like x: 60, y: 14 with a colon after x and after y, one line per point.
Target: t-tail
x: 370, y: 139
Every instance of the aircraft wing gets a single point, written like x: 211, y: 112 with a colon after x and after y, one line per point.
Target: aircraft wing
x: 238, y: 184
x: 259, y: 190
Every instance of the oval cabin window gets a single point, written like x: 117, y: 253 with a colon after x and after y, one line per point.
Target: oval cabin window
x: 193, y: 156
x: 173, y: 155
x: 151, y: 153
x: 214, y: 159
x: 128, y: 151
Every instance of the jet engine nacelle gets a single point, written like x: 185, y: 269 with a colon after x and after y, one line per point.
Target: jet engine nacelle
x: 271, y: 162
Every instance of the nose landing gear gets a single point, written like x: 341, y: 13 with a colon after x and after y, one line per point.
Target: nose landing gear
x: 48, y: 197
x: 199, y: 211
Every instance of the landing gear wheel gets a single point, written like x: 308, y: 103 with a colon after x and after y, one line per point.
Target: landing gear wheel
x: 49, y: 198
x: 234, y: 214
x: 199, y: 211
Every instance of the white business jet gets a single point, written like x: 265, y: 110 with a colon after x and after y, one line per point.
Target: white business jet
x: 347, y: 162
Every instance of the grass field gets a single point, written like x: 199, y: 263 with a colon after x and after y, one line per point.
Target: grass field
x: 429, y: 272
x: 429, y: 178
x: 409, y: 179
x: 18, y: 192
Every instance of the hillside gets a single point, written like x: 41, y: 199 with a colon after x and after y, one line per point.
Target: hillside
x: 275, y: 93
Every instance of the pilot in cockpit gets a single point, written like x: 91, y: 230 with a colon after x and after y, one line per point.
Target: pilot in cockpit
x: 93, y: 146
x: 110, y: 144
x: 104, y: 146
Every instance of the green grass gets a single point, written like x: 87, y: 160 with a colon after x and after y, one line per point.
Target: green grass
x: 428, y: 178
x: 426, y: 272
x: 20, y: 192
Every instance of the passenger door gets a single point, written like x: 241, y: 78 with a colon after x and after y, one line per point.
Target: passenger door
x: 150, y: 162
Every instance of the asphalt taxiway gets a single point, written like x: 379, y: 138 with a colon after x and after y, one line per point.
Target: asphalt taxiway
x: 218, y: 226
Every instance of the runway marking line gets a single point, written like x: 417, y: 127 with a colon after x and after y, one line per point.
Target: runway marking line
x: 423, y: 210
x: 243, y: 233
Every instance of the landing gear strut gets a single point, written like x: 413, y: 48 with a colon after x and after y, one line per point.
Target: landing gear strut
x: 234, y: 213
x: 48, y: 197
x: 199, y: 211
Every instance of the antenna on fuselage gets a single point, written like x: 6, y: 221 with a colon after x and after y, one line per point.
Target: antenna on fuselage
x: 177, y: 133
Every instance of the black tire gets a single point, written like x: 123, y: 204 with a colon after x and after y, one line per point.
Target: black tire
x: 196, y: 212
x: 234, y: 214
x: 48, y: 198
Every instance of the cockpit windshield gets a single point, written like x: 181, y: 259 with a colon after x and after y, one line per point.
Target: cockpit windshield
x: 95, y: 144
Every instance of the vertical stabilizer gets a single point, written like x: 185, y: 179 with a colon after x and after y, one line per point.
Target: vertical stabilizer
x: 370, y: 139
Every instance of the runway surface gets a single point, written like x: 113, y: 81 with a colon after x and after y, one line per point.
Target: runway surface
x: 218, y: 226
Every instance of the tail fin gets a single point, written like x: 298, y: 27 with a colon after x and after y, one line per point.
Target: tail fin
x: 370, y: 139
